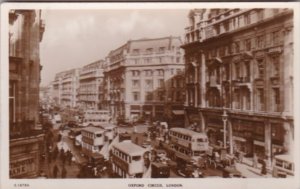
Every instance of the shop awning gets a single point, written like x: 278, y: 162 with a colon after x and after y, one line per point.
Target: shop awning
x: 178, y: 112
x: 259, y: 143
x: 239, y: 138
x: 147, y: 112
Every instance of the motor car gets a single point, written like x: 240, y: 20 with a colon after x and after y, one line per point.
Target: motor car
x: 231, y: 172
x: 72, y: 124
x: 146, y: 144
x: 189, y: 171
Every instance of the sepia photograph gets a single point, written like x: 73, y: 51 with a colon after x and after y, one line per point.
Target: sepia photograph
x: 128, y: 92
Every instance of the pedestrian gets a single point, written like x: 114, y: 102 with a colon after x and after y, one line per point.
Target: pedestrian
x: 55, y: 171
x: 255, y: 160
x: 63, y: 158
x: 49, y: 157
x: 264, y: 168
x: 63, y: 172
x: 95, y: 170
x: 55, y: 152
x: 70, y: 158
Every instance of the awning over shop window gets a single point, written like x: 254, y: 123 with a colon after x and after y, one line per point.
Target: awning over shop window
x: 259, y: 143
x: 178, y: 112
x: 239, y: 138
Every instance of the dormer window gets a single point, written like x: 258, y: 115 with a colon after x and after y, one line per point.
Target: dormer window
x: 149, y: 50
x: 162, y: 49
x: 136, y: 51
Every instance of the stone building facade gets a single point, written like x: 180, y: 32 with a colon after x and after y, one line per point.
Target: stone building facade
x: 70, y: 85
x: 26, y: 30
x: 90, y: 92
x: 239, y: 76
x: 142, y: 78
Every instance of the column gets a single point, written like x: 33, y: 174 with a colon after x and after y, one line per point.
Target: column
x: 268, y: 142
x: 203, y: 89
x: 202, y: 119
x: 230, y: 138
x: 288, y: 143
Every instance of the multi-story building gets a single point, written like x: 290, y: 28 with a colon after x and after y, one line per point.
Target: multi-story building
x: 57, y: 88
x: 143, y: 78
x: 26, y: 30
x: 239, y: 76
x: 90, y: 92
x: 70, y: 85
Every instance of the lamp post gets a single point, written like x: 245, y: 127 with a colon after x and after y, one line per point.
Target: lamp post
x: 224, y: 118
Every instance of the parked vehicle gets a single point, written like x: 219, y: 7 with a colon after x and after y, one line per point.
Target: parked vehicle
x: 160, y: 170
x: 231, y: 172
x: 283, y: 166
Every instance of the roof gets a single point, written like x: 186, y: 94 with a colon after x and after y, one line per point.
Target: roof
x: 186, y: 131
x: 145, y: 43
x: 129, y: 148
x: 93, y: 129
x: 107, y: 125
x: 285, y: 157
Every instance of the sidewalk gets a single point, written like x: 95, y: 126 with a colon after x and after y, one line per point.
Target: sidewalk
x: 250, y: 172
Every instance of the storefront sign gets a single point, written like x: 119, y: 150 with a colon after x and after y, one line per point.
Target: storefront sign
x: 21, y: 167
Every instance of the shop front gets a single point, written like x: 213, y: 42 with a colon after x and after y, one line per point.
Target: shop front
x: 214, y: 130
x: 25, y: 157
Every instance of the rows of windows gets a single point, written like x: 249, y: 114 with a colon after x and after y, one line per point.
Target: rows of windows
x: 158, y: 72
x: 152, y: 50
x: 126, y: 157
x: 91, y: 135
x: 248, y: 44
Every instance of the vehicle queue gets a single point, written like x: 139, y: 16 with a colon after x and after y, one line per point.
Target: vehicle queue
x: 185, y: 152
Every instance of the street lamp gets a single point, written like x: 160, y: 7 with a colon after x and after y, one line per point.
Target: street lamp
x: 224, y: 118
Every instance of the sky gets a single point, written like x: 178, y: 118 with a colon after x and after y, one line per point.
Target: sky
x: 74, y: 38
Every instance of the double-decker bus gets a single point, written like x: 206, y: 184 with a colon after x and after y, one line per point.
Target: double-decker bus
x: 96, y: 117
x: 110, y: 130
x: 128, y: 160
x: 93, y: 139
x: 188, y: 143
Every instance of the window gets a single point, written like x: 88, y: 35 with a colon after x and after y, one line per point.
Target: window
x: 136, y: 158
x: 136, y: 51
x: 260, y: 99
x: 98, y: 135
x: 135, y: 83
x: 275, y: 37
x: 247, y: 19
x: 248, y: 44
x: 217, y: 29
x: 237, y: 70
x: 261, y: 69
x: 260, y: 41
x: 160, y: 72
x: 149, y: 51
x: 237, y: 47
x: 148, y: 72
x: 149, y: 96
x: 136, y: 61
x: 149, y: 84
x: 161, y: 96
x: 260, y: 14
x: 276, y: 98
x: 162, y: 49
x: 161, y: 59
x: 275, y: 66
x: 148, y: 60
x: 161, y: 83
x: 12, y: 102
x: 136, y: 96
x: 177, y: 59
x: 226, y: 26
x: 135, y: 73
